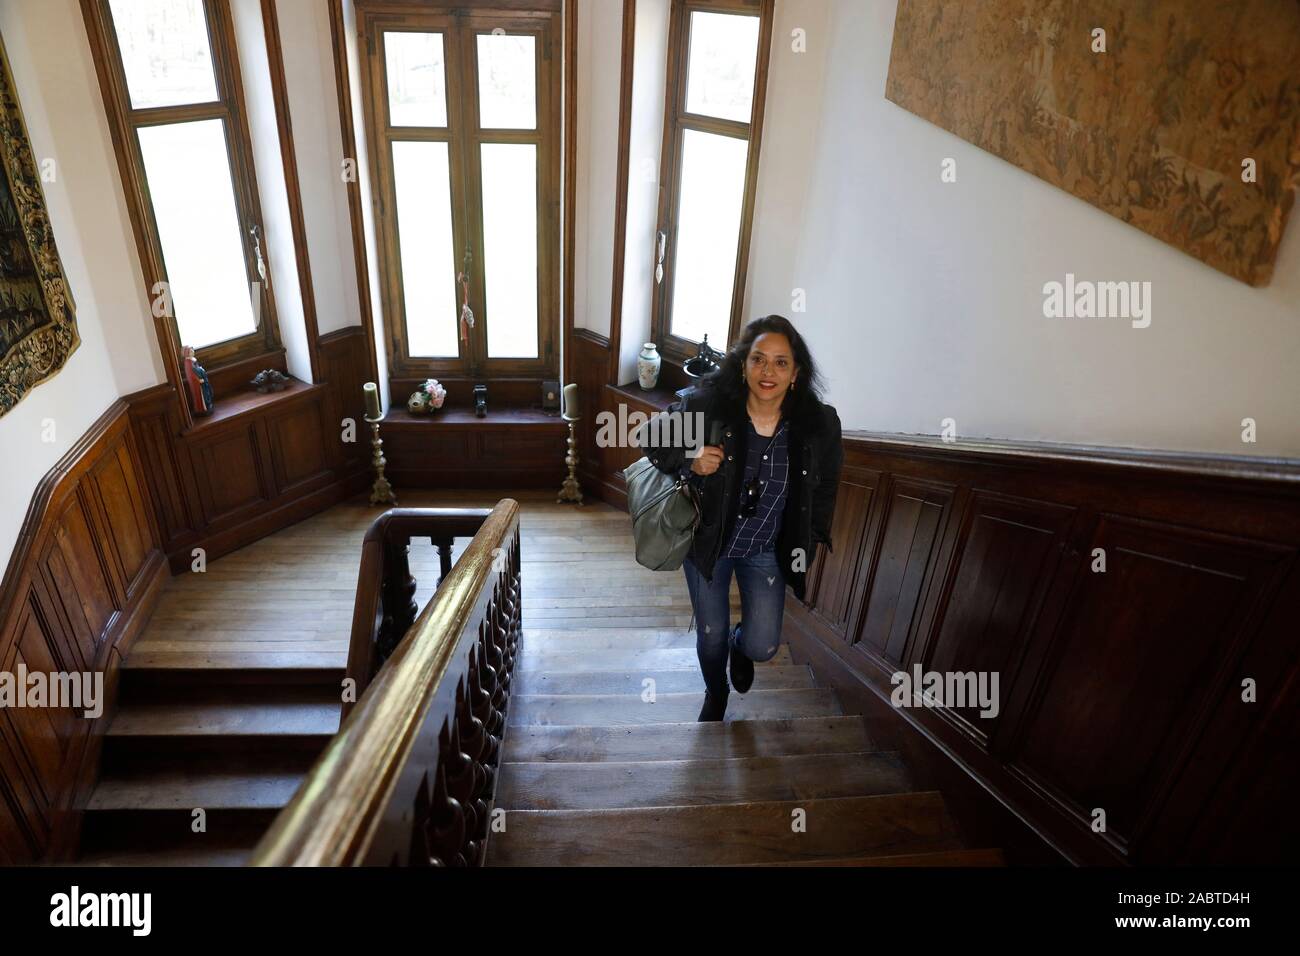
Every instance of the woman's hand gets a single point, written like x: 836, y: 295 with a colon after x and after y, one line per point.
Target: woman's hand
x: 708, y: 460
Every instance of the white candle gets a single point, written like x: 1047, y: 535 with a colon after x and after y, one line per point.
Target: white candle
x: 571, y: 401
x: 372, y: 400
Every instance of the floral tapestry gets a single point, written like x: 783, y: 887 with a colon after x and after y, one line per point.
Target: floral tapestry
x: 38, y: 328
x: 1182, y: 119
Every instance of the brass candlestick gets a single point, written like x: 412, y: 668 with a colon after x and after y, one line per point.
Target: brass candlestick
x: 571, y: 491
x: 381, y: 493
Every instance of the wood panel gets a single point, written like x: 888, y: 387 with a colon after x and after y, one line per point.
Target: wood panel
x: 81, y: 582
x: 1118, y: 690
x: 910, y: 529
x: 260, y: 462
x: 1112, y: 707
x: 833, y: 574
x: 1007, y: 548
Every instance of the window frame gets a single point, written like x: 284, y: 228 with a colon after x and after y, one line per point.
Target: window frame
x: 124, y: 122
x: 676, y: 121
x: 459, y: 27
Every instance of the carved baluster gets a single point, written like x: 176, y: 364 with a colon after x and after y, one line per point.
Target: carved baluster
x: 461, y: 785
x: 446, y: 829
x: 477, y: 699
x: 419, y: 854
x: 444, y: 546
x: 398, y: 597
x: 483, y: 683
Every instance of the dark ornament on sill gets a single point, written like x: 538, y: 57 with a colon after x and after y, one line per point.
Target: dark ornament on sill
x: 706, y: 360
x: 480, y: 401
x: 270, y: 380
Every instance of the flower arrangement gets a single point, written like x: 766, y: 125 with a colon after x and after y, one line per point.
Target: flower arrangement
x: 427, y: 398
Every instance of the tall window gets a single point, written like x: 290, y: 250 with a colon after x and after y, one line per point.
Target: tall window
x: 717, y: 78
x: 463, y: 113
x: 171, y: 81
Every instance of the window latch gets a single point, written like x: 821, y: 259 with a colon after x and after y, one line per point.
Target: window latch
x: 255, y: 232
x: 659, y: 258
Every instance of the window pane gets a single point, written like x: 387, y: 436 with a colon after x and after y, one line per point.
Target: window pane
x: 720, y: 77
x: 165, y: 51
x: 417, y: 92
x: 708, y: 234
x: 510, y: 248
x: 422, y: 180
x: 202, y: 240
x: 507, y: 81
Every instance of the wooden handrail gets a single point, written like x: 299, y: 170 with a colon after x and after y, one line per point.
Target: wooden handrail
x: 411, y: 776
x: 385, y: 606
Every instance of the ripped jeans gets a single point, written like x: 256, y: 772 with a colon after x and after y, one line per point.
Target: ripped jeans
x: 762, y: 604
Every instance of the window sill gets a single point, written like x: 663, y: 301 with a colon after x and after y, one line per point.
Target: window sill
x: 249, y: 403
x: 660, y: 397
x: 457, y: 417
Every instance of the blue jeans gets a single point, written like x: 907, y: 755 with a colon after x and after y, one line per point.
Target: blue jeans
x: 762, y: 603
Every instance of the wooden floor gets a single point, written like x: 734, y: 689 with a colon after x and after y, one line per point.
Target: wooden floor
x: 233, y: 690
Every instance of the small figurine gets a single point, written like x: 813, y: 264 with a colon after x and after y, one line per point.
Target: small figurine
x: 270, y: 380
x: 197, y: 386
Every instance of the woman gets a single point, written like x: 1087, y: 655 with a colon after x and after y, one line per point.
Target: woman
x: 767, y: 488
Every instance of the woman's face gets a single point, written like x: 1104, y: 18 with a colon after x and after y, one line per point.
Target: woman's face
x: 770, y: 368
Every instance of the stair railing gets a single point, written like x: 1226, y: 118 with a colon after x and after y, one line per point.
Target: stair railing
x: 410, y: 778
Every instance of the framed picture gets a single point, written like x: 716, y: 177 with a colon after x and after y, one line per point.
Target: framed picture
x: 38, y: 328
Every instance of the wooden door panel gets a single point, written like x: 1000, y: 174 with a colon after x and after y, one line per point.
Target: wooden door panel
x: 122, y: 498
x: 1006, y: 551
x: 229, y: 473
x: 835, y: 573
x: 1137, y: 654
x: 911, y: 527
x: 297, y: 450
x: 79, y: 582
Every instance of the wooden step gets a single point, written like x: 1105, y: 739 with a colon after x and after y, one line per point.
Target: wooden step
x: 178, y: 788
x: 679, y: 680
x: 729, y: 833
x: 629, y: 657
x: 160, y: 730
x: 694, y: 740
x: 675, y: 783
x: 986, y: 856
x: 601, y: 709
x: 194, y: 852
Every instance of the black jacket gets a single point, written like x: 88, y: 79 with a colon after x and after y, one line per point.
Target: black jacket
x: 815, y: 454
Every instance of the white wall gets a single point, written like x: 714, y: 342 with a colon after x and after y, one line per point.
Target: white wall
x: 924, y: 299
x: 599, y: 68
x: 369, y: 226
x: 645, y: 144
x: 308, y: 50
x: 59, y: 92
x: 277, y: 224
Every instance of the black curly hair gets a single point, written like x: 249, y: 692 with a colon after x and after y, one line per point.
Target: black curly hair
x: 728, y: 381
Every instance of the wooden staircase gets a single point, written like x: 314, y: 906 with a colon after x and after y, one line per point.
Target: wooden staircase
x: 233, y: 740
x: 594, y: 770
x: 593, y: 773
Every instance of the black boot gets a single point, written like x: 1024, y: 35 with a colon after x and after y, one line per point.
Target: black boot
x: 742, y: 668
x: 714, y: 708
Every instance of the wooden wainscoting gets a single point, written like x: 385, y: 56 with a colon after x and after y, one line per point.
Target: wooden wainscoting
x: 259, y: 462
x: 1120, y: 690
x: 81, y: 582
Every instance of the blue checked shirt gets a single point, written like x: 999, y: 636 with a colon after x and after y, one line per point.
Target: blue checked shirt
x: 769, y: 460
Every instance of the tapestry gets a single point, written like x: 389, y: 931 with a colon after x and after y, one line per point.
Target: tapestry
x: 1182, y: 119
x: 38, y: 328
